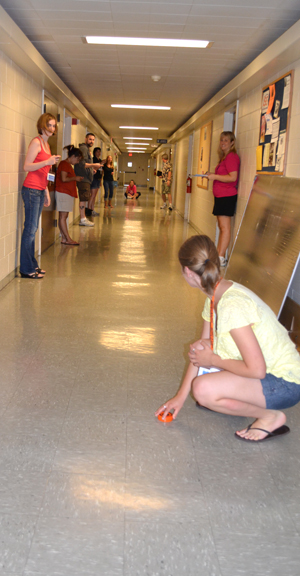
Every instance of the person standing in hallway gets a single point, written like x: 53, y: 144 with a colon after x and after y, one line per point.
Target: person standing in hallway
x: 166, y: 176
x: 96, y: 184
x: 86, y: 169
x: 108, y: 181
x: 225, y: 183
x: 65, y: 191
x: 248, y: 364
x: 35, y: 192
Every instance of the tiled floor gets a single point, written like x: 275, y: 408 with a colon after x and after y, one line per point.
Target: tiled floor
x: 91, y: 483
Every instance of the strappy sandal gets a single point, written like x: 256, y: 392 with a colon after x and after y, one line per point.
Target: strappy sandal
x: 34, y: 276
x: 39, y: 271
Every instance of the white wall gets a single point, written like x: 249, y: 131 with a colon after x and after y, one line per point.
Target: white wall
x: 139, y: 166
x: 20, y: 107
x: 248, y: 123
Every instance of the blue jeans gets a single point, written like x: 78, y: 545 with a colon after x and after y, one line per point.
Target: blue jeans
x: 33, y: 202
x: 108, y: 186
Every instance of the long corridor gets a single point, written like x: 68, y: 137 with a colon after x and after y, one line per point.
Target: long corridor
x: 92, y: 484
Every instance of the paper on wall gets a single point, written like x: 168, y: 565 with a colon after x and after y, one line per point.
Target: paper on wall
x: 275, y: 129
x: 281, y: 143
x: 269, y: 121
x: 280, y: 152
x: 266, y: 155
x: 286, y: 92
x: 272, y: 154
x: 259, y: 150
x: 265, y: 101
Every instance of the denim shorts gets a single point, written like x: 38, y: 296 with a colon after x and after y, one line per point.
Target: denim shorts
x: 280, y: 393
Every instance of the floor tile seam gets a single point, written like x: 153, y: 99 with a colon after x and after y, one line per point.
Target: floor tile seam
x: 206, y: 502
x: 279, y: 493
x: 15, y: 393
x: 37, y: 517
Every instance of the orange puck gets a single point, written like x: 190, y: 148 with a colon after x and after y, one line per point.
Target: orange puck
x: 168, y: 418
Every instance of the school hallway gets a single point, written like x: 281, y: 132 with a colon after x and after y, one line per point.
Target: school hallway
x: 92, y: 484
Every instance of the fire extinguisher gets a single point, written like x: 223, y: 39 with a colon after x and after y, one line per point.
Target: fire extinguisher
x: 188, y: 185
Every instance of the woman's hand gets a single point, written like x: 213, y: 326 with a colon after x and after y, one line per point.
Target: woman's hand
x: 47, y: 198
x: 175, y: 404
x: 78, y: 178
x: 200, y: 354
x: 209, y: 176
x: 52, y: 160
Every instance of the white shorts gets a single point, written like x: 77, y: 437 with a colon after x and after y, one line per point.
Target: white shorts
x: 64, y: 202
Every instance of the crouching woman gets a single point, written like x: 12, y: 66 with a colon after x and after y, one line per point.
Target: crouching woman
x: 258, y: 366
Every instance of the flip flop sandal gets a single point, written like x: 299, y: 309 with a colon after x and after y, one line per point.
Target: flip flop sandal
x: 277, y: 432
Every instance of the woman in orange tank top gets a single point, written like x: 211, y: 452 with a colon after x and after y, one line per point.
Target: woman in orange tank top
x: 35, y: 193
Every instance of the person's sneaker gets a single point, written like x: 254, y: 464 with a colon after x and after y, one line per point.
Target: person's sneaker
x: 163, y: 206
x: 94, y: 213
x: 223, y: 261
x: 170, y: 207
x: 86, y: 222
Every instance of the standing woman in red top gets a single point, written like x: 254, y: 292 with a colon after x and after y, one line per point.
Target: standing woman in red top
x: 225, y: 182
x: 35, y: 192
x: 65, y: 191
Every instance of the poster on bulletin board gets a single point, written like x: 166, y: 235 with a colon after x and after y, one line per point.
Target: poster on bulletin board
x: 274, y: 123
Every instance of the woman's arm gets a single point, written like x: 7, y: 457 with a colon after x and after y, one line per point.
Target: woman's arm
x: 65, y: 178
x: 231, y: 177
x: 252, y: 364
x: 47, y: 199
x: 33, y: 150
x: 178, y: 401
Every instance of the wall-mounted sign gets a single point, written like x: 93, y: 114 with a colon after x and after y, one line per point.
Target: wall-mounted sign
x: 161, y: 141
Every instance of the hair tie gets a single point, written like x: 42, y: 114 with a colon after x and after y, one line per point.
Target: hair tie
x: 207, y: 260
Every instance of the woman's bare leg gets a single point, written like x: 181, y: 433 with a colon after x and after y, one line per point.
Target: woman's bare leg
x: 92, y: 200
x: 231, y: 394
x: 62, y: 222
x: 224, y: 223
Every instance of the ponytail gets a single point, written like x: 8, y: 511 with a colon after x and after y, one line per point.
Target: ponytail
x: 200, y: 255
x: 72, y: 151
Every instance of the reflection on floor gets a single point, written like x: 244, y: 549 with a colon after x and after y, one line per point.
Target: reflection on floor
x: 92, y: 483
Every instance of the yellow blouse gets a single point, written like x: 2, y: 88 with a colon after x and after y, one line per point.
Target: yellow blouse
x: 240, y: 307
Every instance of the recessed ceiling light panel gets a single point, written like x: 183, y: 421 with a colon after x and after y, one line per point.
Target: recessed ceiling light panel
x: 138, y: 107
x: 136, y: 138
x: 138, y: 128
x: 164, y: 42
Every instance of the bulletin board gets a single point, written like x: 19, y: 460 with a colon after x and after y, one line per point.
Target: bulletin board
x: 204, y: 154
x: 274, y: 123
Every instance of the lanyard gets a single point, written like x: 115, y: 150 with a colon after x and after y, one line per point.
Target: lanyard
x: 212, y: 302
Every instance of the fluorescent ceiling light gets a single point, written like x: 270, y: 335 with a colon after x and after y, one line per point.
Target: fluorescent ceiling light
x: 166, y: 42
x: 136, y: 151
x: 136, y: 138
x: 138, y: 107
x: 138, y: 128
x: 137, y: 144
